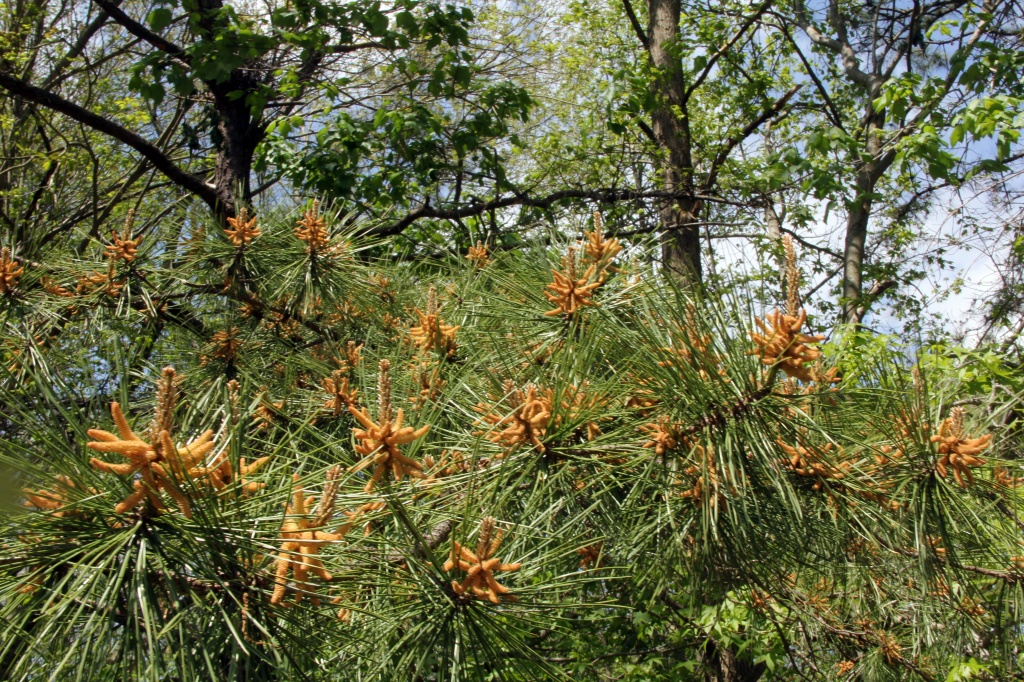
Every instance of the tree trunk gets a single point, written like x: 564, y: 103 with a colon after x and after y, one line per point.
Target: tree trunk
x: 853, y: 249
x: 680, y: 234
x: 859, y: 214
x: 772, y: 220
x: 721, y: 664
x: 231, y: 175
x: 680, y: 241
x: 239, y: 128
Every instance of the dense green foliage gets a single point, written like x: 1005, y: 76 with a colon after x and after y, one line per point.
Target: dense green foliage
x: 885, y: 139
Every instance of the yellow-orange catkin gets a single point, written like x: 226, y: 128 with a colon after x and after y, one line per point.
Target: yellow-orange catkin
x: 379, y: 440
x: 303, y: 536
x: 781, y: 342
x: 242, y: 229
x: 10, y: 271
x: 160, y: 465
x: 958, y: 453
x: 570, y: 293
x: 481, y: 565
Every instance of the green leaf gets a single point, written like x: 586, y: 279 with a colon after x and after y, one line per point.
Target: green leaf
x: 956, y: 135
x: 159, y: 19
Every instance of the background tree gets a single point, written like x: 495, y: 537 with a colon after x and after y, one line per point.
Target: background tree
x: 374, y: 81
x: 899, y: 78
x: 442, y: 150
x: 679, y: 113
x: 57, y: 174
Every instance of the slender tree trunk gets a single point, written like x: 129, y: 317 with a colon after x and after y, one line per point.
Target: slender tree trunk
x: 772, y: 220
x: 853, y: 249
x: 680, y: 242
x: 859, y: 215
x: 680, y: 233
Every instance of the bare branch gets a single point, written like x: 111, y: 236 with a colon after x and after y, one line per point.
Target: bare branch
x: 877, y: 289
x: 57, y: 72
x: 151, y: 152
x: 602, y: 195
x: 647, y: 130
x: 851, y: 64
x: 635, y: 23
x: 836, y: 119
x: 140, y: 31
x: 353, y: 47
x: 755, y: 235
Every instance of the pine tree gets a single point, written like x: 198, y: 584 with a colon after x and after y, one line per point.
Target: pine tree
x: 261, y: 451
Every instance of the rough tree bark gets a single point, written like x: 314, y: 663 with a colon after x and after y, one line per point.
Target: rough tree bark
x: 680, y: 238
x: 859, y: 214
x: 240, y: 131
x: 239, y: 128
x: 670, y: 125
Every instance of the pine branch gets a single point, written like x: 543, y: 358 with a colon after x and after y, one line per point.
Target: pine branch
x: 431, y: 541
x: 720, y: 416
